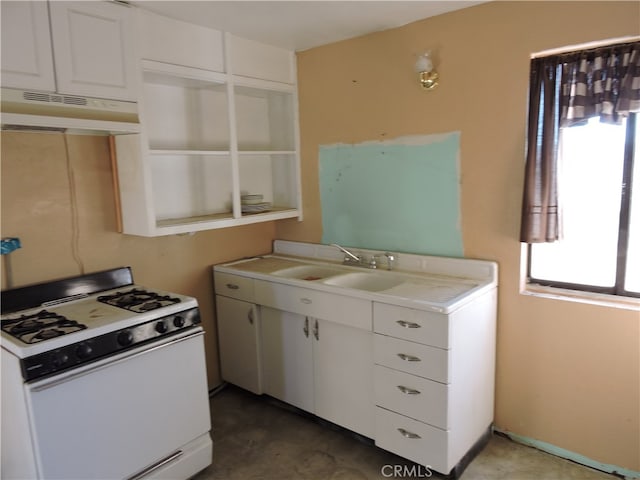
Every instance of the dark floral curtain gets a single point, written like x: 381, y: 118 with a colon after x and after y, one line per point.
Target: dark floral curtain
x: 568, y: 90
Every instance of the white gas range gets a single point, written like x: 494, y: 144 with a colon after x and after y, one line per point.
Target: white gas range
x: 102, y: 378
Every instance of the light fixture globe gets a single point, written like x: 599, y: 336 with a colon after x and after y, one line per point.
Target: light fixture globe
x: 427, y: 75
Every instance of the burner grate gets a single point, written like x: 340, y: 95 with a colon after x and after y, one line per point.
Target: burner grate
x: 40, y: 326
x: 138, y: 300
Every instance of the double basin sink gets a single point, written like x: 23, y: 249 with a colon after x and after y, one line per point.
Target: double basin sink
x: 369, y: 280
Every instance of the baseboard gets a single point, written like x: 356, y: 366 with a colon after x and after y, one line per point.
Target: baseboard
x: 620, y: 472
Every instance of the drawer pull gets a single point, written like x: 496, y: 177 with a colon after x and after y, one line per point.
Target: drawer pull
x: 306, y: 300
x: 232, y: 286
x: 250, y: 316
x: 408, y: 391
x: 405, y: 324
x: 408, y: 434
x: 409, y: 358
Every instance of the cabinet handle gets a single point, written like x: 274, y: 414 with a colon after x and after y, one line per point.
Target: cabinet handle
x: 250, y: 316
x: 316, y: 330
x: 409, y: 358
x: 408, y: 391
x: 305, y: 329
x: 405, y: 324
x: 408, y: 434
x: 232, y: 286
x: 306, y: 300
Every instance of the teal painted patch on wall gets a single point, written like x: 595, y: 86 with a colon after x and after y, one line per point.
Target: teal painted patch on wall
x: 401, y: 195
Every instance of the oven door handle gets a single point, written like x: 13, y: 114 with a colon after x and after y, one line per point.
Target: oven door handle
x: 147, y: 471
x: 64, y: 377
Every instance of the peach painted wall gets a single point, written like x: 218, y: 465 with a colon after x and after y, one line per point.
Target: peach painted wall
x: 567, y: 373
x: 62, y: 209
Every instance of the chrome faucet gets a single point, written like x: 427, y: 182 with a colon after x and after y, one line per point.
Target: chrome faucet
x: 349, y: 257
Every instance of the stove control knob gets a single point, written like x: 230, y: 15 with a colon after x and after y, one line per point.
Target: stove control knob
x: 59, y: 359
x: 178, y: 321
x: 84, y: 350
x: 161, y: 327
x: 125, y: 338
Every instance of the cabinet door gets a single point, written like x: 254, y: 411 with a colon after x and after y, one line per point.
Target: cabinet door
x: 27, y: 61
x: 287, y: 357
x: 238, y: 339
x: 175, y: 42
x: 249, y: 58
x: 343, y: 363
x: 93, y: 46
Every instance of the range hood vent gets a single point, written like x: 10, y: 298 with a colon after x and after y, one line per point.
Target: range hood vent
x: 50, y: 98
x: 40, y: 109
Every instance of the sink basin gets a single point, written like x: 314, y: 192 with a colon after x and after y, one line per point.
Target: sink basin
x: 371, y: 282
x: 308, y: 272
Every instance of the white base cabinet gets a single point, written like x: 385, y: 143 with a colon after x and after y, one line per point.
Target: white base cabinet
x: 319, y: 366
x: 343, y: 381
x: 417, y: 380
x: 238, y: 331
x: 318, y: 352
x: 239, y: 340
x: 287, y: 357
x: 434, y: 380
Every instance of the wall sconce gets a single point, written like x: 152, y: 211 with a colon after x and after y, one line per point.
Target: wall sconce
x: 427, y: 75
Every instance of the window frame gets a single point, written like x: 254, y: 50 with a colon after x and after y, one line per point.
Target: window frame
x: 623, y: 228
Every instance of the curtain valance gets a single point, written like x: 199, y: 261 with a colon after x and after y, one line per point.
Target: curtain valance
x: 603, y: 82
x: 566, y: 90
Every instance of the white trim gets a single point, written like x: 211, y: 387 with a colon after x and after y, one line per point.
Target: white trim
x: 579, y: 296
x: 71, y: 125
x: 584, y: 46
x: 565, y: 294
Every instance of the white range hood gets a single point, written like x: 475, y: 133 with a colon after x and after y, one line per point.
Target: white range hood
x: 23, y: 109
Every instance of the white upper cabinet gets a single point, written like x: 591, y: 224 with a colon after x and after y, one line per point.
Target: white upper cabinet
x: 210, y: 134
x: 74, y: 48
x: 252, y: 59
x: 92, y: 45
x: 175, y: 42
x: 26, y: 46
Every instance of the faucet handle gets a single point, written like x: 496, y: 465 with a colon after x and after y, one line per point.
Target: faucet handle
x: 390, y: 259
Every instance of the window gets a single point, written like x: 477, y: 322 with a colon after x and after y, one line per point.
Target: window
x: 599, y: 245
x: 581, y: 219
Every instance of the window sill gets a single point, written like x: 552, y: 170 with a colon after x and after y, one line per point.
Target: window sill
x: 604, y: 300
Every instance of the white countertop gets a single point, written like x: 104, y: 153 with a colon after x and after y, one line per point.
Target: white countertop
x: 443, y: 288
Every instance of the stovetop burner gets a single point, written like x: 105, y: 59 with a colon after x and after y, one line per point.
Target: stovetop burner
x: 138, y: 300
x: 40, y: 326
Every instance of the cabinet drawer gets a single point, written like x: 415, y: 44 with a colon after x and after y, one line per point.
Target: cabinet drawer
x: 417, y: 441
x: 415, y: 397
x: 418, y: 326
x: 411, y: 357
x: 233, y: 286
x: 353, y: 312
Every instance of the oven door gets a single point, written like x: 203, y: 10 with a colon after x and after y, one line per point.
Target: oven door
x: 117, y: 417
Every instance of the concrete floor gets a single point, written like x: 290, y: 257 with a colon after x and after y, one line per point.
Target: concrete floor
x: 257, y: 438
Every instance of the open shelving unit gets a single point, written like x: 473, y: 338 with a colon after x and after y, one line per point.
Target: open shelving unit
x: 208, y: 138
